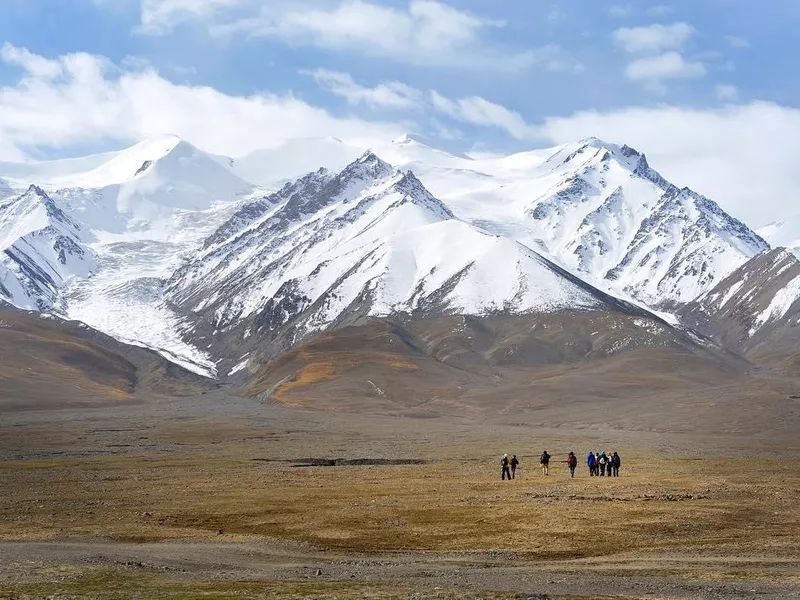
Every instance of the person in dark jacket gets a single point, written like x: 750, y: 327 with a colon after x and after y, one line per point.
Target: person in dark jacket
x: 572, y: 462
x: 590, y: 463
x: 615, y: 463
x: 504, y: 462
x: 602, y: 461
x: 544, y: 460
x: 514, y: 465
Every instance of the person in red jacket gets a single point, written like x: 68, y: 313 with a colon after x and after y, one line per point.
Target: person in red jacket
x: 572, y: 462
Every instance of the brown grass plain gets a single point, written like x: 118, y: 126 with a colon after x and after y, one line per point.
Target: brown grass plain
x: 209, y: 498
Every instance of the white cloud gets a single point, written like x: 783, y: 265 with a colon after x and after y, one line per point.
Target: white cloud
x: 36, y: 65
x: 421, y: 32
x: 742, y: 156
x: 479, y: 111
x: 653, y: 70
x: 653, y: 38
x: 393, y: 94
x: 82, y: 98
x: 737, y: 42
x: 161, y: 16
x: 727, y: 93
x: 473, y: 110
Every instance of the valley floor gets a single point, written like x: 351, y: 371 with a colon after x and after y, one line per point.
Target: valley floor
x: 219, y: 497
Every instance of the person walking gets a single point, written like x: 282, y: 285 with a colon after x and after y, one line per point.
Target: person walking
x: 590, y: 463
x: 615, y: 464
x: 514, y: 465
x: 544, y: 460
x: 572, y: 462
x: 504, y: 462
x: 601, y: 460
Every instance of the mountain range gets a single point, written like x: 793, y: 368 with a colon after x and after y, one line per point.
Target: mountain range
x: 404, y: 256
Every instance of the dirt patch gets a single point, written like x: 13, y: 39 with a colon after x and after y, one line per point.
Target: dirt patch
x: 357, y: 462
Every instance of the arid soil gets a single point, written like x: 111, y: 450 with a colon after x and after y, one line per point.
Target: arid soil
x: 221, y: 497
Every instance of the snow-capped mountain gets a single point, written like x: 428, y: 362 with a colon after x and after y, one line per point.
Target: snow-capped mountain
x: 171, y: 246
x: 597, y: 208
x: 140, y: 188
x: 368, y: 240
x: 43, y: 249
x: 756, y: 306
x: 140, y: 211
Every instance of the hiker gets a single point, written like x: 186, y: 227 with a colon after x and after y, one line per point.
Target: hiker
x: 544, y: 460
x: 514, y: 464
x: 572, y: 462
x: 615, y: 463
x: 504, y: 462
x: 601, y: 460
x: 591, y: 463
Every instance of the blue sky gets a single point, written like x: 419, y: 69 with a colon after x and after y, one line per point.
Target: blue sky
x: 691, y: 83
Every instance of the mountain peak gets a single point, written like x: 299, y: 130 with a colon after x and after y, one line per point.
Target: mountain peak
x: 158, y: 146
x: 367, y: 166
x: 35, y: 190
x: 626, y: 150
x: 368, y: 157
x: 165, y: 138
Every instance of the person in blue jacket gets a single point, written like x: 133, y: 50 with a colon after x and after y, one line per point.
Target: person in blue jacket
x: 590, y: 462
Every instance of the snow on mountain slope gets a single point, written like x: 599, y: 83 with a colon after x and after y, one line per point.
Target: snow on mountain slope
x: 756, y: 306
x: 412, y: 148
x: 783, y: 234
x: 155, y: 180
x: 43, y: 249
x: 134, y: 189
x: 294, y: 158
x: 369, y: 239
x: 125, y: 299
x: 68, y: 171
x: 598, y: 209
x: 142, y: 211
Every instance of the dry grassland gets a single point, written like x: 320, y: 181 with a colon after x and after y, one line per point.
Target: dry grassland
x: 729, y: 506
x: 709, y: 517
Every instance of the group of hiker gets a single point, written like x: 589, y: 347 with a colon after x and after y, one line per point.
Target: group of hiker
x: 600, y: 464
x: 603, y: 463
